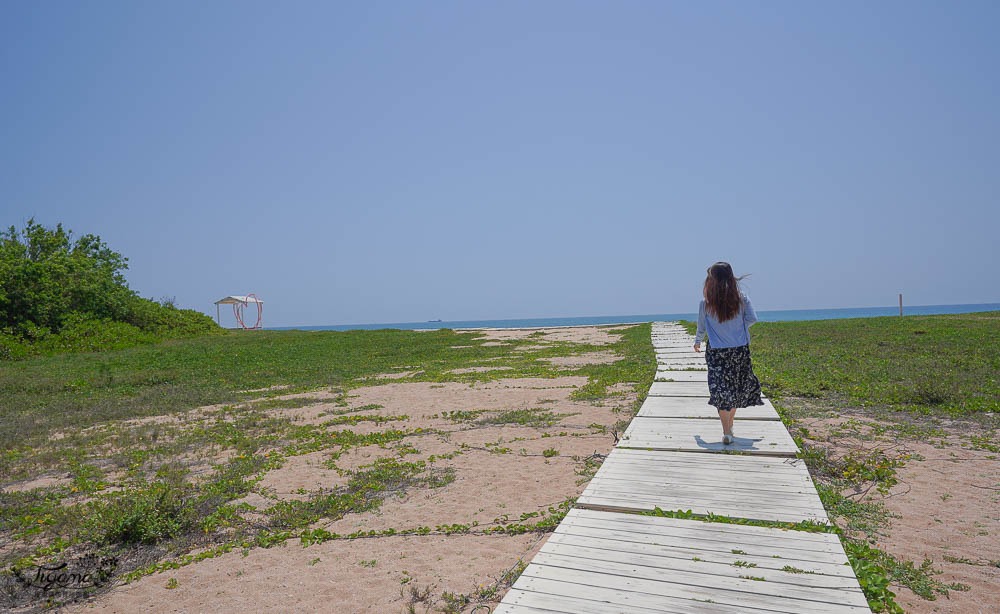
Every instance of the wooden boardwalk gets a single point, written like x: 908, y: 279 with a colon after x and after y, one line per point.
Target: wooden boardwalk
x: 604, y: 558
x: 699, y: 435
x: 600, y: 562
x: 697, y: 407
x: 741, y: 486
x: 681, y: 376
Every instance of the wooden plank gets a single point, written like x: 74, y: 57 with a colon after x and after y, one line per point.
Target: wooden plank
x: 568, y: 601
x: 821, y: 547
x: 736, y: 565
x: 754, y: 591
x: 649, y: 591
x: 692, y: 473
x: 763, y: 505
x: 682, y: 376
x: 693, y: 545
x: 736, y: 462
x: 691, y: 538
x: 687, y: 366
x: 630, y: 502
x: 770, y: 494
x: 698, y: 407
x: 662, y: 462
x: 767, y: 558
x: 655, y: 462
x: 700, y: 572
x: 695, y: 472
x: 723, y: 487
x: 781, y: 509
x: 698, y: 435
x: 603, y: 600
x: 679, y: 389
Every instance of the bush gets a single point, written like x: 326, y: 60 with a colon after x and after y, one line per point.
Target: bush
x: 58, y: 295
x: 142, y: 515
x: 12, y: 347
x: 167, y: 320
x: 82, y: 335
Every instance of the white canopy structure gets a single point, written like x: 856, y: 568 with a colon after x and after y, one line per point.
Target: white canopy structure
x: 238, y: 303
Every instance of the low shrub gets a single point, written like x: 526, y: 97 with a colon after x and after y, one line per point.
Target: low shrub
x: 141, y: 515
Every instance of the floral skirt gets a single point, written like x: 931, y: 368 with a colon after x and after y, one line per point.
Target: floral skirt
x: 731, y: 382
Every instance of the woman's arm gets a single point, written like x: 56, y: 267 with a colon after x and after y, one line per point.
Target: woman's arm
x: 749, y: 315
x: 698, y: 336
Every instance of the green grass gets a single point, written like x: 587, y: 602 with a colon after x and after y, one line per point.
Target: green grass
x: 50, y: 394
x: 944, y: 364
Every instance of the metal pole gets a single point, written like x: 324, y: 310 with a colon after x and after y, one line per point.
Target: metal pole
x: 901, y: 304
x: 217, y: 320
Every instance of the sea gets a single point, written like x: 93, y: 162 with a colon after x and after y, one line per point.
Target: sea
x: 780, y: 315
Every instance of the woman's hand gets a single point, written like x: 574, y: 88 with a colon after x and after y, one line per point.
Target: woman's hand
x: 697, y: 348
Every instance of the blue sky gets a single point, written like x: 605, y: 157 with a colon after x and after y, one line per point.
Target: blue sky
x: 402, y: 161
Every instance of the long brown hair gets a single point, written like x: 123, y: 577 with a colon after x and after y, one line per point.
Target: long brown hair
x: 722, y: 292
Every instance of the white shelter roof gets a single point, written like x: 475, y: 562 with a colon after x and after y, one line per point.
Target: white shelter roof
x: 233, y: 300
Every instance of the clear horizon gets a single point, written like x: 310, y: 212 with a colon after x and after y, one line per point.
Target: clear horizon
x: 398, y: 162
x: 623, y: 315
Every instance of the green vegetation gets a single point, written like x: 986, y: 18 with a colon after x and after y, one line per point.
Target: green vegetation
x: 944, y: 364
x: 901, y: 375
x: 538, y: 417
x: 809, y: 526
x: 68, y: 392
x: 58, y: 295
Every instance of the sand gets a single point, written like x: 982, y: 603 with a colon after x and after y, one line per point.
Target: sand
x: 945, y: 505
x: 364, y: 575
x: 489, y: 489
x: 596, y: 335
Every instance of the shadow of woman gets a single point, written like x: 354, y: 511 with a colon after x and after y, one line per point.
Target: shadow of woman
x: 740, y: 444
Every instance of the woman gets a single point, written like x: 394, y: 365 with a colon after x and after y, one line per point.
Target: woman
x: 726, y: 315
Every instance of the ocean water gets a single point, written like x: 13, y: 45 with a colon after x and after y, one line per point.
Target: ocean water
x: 765, y: 316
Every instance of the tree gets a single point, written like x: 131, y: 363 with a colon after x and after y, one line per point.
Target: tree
x: 45, y: 276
